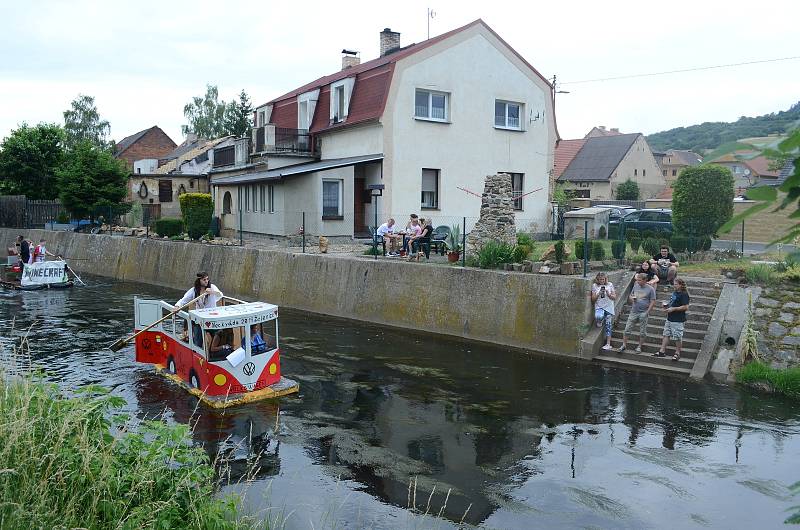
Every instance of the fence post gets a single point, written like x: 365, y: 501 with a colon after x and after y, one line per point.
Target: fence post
x: 585, y: 248
x: 742, y: 237
x: 464, y: 242
x: 303, y: 230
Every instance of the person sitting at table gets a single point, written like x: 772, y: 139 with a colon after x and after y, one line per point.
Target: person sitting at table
x: 257, y: 343
x: 418, y: 241
x: 386, y: 231
x: 221, y: 345
x: 412, y: 231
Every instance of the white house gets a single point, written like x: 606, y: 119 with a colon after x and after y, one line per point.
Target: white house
x: 427, y: 121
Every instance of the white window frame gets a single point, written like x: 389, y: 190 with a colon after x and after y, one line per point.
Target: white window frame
x: 436, y: 192
x: 261, y: 197
x: 517, y: 194
x: 271, y: 198
x: 505, y: 124
x: 431, y: 94
x: 340, y: 102
x: 340, y: 212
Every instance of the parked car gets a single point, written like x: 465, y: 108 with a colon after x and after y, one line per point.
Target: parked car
x: 617, y: 211
x: 657, y: 220
x: 86, y: 226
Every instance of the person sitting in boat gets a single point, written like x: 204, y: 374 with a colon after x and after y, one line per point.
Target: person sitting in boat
x: 221, y: 345
x: 24, y: 250
x: 257, y: 343
x: 40, y: 253
x: 212, y: 295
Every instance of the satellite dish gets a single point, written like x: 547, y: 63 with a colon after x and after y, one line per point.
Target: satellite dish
x: 746, y: 172
x: 433, y: 13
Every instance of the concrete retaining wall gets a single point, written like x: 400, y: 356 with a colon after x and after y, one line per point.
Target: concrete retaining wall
x: 545, y: 313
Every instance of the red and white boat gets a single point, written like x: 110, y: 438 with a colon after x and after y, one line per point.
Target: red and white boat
x: 224, y: 355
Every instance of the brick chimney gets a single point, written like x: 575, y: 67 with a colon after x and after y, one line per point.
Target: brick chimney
x: 615, y: 129
x: 350, y: 58
x: 390, y: 41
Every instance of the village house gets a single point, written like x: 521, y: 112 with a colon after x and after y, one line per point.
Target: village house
x: 749, y: 168
x: 673, y: 161
x: 593, y: 167
x: 426, y: 122
x: 152, y: 143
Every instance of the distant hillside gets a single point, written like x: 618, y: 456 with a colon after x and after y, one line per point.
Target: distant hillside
x: 711, y: 135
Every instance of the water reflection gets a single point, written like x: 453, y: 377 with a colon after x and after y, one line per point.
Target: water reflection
x: 388, y: 420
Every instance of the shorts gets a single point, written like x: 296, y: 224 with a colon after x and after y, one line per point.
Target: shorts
x: 673, y: 330
x: 637, y: 317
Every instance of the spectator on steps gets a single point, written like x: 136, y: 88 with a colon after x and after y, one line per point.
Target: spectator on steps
x: 642, y: 300
x: 666, y: 265
x: 676, y: 309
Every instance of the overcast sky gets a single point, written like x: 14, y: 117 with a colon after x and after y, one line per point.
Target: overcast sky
x: 142, y: 61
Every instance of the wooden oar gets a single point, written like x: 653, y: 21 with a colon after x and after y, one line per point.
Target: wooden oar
x: 75, y: 274
x: 118, y: 345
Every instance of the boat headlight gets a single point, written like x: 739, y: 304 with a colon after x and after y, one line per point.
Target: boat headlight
x: 273, y: 368
x: 220, y: 379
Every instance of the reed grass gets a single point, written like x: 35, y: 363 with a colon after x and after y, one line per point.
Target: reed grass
x: 786, y: 381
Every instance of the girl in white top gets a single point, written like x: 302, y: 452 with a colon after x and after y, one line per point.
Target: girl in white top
x: 202, y: 285
x: 603, y: 296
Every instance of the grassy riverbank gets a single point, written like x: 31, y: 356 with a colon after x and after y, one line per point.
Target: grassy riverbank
x: 72, y: 462
x: 785, y: 381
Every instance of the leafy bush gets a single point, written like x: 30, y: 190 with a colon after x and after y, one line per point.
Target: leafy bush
x: 640, y: 258
x: 75, y: 463
x: 702, y: 199
x: 793, y: 258
x: 169, y: 226
x: 137, y: 214
x: 559, y: 250
x: 628, y: 191
x: 632, y: 232
x: 454, y: 238
x: 784, y: 381
x: 197, y: 210
x: 525, y: 239
x: 494, y: 254
x: 678, y: 242
x: 520, y: 253
x: 579, y: 250
x: 649, y: 234
x: 650, y: 246
x: 792, y: 273
x: 705, y: 243
x: 761, y: 273
x: 635, y: 243
x: 618, y: 249
x: 598, y: 251
x: 602, y: 232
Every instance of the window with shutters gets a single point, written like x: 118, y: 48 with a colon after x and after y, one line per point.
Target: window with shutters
x: 430, y: 189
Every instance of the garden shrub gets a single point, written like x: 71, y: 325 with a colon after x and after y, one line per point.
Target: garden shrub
x: 640, y: 258
x: 678, y: 243
x: 525, y: 239
x: 618, y: 249
x: 630, y: 233
x: 649, y: 234
x: 520, y: 253
x: 792, y: 273
x: 761, y: 273
x: 706, y: 243
x: 559, y: 250
x: 494, y: 254
x: 602, y: 232
x: 635, y: 243
x: 651, y: 246
x: 197, y: 210
x: 579, y: 249
x: 598, y: 251
x: 169, y: 226
x: 792, y: 258
x: 613, y: 231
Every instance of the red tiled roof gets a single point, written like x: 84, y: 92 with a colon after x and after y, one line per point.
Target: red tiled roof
x: 565, y: 152
x: 760, y: 166
x: 666, y: 193
x: 370, y: 90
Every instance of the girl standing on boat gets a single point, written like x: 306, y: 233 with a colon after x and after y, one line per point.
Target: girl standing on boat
x: 202, y: 284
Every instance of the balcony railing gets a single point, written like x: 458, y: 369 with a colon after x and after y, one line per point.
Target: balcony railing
x: 271, y: 139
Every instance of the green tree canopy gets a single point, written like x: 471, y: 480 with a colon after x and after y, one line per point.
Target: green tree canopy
x: 702, y: 200
x: 210, y: 117
x: 239, y: 116
x: 92, y: 181
x: 29, y: 157
x: 82, y: 123
x: 628, y: 191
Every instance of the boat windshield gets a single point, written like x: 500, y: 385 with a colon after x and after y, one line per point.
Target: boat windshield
x: 220, y: 343
x: 263, y: 337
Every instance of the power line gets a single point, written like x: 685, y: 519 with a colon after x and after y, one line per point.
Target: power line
x: 678, y: 71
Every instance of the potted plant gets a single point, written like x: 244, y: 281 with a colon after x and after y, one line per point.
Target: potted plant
x: 454, y: 244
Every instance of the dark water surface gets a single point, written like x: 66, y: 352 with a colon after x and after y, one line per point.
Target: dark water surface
x: 388, y: 419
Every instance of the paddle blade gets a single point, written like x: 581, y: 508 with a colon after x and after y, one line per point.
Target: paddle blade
x: 119, y: 344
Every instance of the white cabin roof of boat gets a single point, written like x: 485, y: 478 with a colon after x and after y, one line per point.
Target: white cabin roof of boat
x: 235, y: 315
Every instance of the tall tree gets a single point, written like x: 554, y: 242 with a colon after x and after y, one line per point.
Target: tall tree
x: 702, y: 200
x: 628, y: 191
x: 82, y: 123
x: 91, y: 181
x: 29, y: 157
x: 239, y: 116
x: 206, y: 115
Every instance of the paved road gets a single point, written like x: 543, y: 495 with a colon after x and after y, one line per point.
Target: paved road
x: 750, y: 247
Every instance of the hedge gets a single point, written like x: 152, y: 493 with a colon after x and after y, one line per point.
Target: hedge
x: 651, y: 246
x: 197, y: 210
x: 618, y: 249
x: 598, y: 251
x: 169, y: 226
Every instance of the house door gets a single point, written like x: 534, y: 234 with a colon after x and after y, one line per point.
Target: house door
x: 360, y: 198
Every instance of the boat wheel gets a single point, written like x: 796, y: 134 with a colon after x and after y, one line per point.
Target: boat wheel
x: 194, y: 381
x: 171, y: 365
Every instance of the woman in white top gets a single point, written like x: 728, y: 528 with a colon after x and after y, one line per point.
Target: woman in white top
x: 603, y: 296
x: 212, y: 295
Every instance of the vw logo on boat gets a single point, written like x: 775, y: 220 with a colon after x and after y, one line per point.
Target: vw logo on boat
x: 249, y: 368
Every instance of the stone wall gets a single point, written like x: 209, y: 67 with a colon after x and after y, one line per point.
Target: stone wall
x: 543, y: 313
x: 777, y: 319
x: 496, y: 222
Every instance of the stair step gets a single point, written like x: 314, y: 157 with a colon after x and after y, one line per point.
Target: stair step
x: 650, y: 347
x: 653, y: 330
x: 683, y: 362
x: 693, y: 320
x: 673, y: 368
x: 688, y: 344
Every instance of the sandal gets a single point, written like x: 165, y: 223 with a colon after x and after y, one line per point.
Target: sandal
x: 676, y: 357
x: 659, y: 354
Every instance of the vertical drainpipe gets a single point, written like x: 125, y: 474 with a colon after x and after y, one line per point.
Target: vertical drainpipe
x: 239, y: 192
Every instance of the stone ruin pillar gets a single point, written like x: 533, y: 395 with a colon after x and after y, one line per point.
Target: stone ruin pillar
x: 496, y: 220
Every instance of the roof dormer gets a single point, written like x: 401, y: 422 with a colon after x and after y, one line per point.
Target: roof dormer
x: 341, y: 92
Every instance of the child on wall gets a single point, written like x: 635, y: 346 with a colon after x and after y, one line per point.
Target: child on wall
x: 603, y: 296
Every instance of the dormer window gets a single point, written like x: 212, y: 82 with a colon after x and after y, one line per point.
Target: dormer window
x: 338, y: 103
x: 341, y: 91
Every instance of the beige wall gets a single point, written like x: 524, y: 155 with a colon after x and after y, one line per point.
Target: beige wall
x: 640, y: 166
x: 353, y: 141
x: 190, y: 183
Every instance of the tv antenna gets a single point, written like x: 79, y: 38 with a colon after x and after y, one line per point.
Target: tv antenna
x: 431, y: 14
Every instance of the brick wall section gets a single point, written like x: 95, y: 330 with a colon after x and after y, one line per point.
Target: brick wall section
x: 154, y: 144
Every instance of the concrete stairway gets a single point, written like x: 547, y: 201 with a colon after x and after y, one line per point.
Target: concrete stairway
x: 703, y: 300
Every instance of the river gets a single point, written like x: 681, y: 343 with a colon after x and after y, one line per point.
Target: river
x: 391, y: 424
